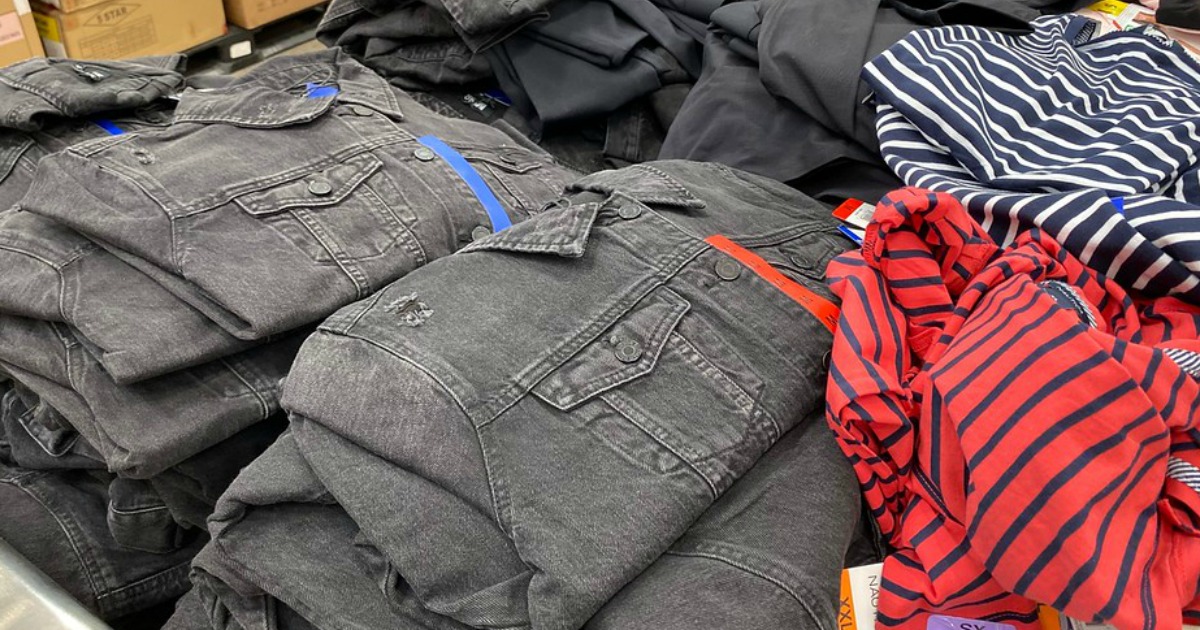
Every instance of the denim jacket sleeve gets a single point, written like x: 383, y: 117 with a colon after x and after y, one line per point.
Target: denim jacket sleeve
x: 71, y: 180
x: 356, y: 448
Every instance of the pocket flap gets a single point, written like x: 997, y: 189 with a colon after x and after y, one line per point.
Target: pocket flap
x: 512, y: 160
x: 320, y: 188
x: 627, y: 350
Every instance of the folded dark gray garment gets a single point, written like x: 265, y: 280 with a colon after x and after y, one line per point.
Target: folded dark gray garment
x: 64, y: 522
x: 54, y: 273
x: 414, y: 45
x: 37, y: 437
x: 1011, y: 16
x: 190, y: 489
x: 300, y: 187
x: 740, y: 23
x: 145, y: 428
x: 767, y: 555
x: 478, y: 23
x: 136, y: 327
x: 767, y: 135
x: 592, y: 31
x: 781, y: 76
x: 534, y: 75
x: 592, y: 57
x: 519, y: 469
x: 1179, y: 13
x: 698, y: 9
x: 36, y: 91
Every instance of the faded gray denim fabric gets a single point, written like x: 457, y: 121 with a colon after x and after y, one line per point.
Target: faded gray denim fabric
x: 137, y: 328
x: 118, y: 545
x: 509, y: 436
x: 476, y: 23
x: 142, y: 429
x: 37, y: 92
x: 40, y: 438
x: 54, y: 273
x: 64, y: 523
x: 767, y: 555
x: 414, y: 44
x: 290, y: 192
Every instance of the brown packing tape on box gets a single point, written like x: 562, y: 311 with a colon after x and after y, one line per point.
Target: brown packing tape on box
x: 18, y: 34
x: 251, y: 14
x: 122, y: 29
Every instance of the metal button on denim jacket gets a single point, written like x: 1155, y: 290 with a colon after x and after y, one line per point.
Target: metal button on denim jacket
x: 552, y: 407
x: 304, y: 186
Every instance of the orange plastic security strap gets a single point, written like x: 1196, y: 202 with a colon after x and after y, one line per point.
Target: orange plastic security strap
x: 825, y: 311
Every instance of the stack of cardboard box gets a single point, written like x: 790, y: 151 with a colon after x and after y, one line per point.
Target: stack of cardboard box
x: 251, y: 14
x: 18, y: 35
x: 121, y: 29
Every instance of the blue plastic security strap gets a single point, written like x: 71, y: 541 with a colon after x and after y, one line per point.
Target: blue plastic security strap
x: 317, y: 90
x: 495, y: 211
x: 110, y: 127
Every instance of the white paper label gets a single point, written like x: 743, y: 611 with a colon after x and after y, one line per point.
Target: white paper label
x: 241, y: 49
x: 860, y: 597
x: 53, y: 48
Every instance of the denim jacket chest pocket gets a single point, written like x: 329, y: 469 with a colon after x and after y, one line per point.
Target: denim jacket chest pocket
x: 346, y: 212
x: 643, y: 388
x: 807, y: 255
x: 521, y: 180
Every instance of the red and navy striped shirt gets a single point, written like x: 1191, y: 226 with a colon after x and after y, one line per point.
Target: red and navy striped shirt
x: 1023, y: 429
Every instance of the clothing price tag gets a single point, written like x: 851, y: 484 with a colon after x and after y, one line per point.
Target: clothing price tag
x: 942, y: 622
x: 1123, y: 13
x: 857, y: 216
x: 856, y: 213
x: 853, y: 234
x: 859, y: 597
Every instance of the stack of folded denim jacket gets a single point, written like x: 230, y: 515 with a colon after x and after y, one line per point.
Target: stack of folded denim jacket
x: 166, y: 249
x: 623, y: 67
x: 606, y: 416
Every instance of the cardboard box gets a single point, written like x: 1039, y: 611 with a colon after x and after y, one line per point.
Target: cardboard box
x: 18, y: 33
x: 121, y: 29
x: 255, y: 13
x: 67, y: 6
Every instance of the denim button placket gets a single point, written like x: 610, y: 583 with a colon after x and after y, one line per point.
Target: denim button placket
x: 728, y: 270
x: 629, y: 352
x: 320, y: 187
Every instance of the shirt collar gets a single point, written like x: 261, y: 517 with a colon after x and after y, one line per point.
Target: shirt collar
x: 564, y: 229
x: 290, y: 90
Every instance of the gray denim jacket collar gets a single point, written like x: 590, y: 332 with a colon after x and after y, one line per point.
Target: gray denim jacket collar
x: 564, y: 231
x: 286, y: 94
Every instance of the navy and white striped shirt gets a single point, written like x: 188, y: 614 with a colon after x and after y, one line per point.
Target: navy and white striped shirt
x: 1094, y: 140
